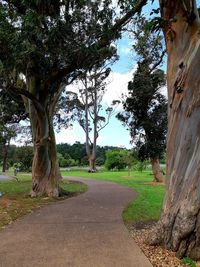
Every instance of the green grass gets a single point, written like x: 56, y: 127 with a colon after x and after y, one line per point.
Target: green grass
x: 188, y: 262
x: 148, y: 204
x: 16, y: 201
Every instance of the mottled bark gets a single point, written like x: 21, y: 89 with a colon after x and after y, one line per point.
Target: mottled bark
x: 179, y: 226
x: 45, y: 170
x: 157, y: 171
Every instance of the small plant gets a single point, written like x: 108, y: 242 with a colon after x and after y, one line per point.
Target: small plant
x: 188, y: 262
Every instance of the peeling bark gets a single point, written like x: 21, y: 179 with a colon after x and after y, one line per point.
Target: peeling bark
x: 179, y: 226
x: 45, y: 170
x: 157, y: 171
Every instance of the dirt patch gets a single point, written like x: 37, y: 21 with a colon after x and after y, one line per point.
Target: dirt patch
x: 158, y: 256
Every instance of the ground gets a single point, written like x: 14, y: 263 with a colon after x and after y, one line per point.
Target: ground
x: 137, y: 215
x: 85, y: 231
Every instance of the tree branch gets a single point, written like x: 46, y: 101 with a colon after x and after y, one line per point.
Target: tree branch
x: 158, y: 62
x: 102, y: 43
x: 27, y: 94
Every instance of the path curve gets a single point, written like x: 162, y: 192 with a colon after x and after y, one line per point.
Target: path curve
x: 83, y: 231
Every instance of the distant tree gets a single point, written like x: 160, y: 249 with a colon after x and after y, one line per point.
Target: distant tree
x: 12, y: 111
x: 130, y: 159
x: 87, y: 109
x: 24, y: 156
x: 145, y: 107
x: 116, y: 159
x: 76, y: 151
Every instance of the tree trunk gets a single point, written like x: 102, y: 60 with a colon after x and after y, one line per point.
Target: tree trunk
x: 179, y: 226
x: 5, y: 157
x: 92, y: 165
x: 157, y: 171
x: 45, y: 170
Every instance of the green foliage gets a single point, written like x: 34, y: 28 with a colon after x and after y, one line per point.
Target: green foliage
x: 63, y: 162
x: 116, y: 159
x: 77, y: 153
x: 24, y: 156
x: 141, y: 165
x: 188, y: 262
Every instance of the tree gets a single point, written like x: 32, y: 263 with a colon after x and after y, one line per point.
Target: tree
x: 44, y: 46
x: 116, y: 159
x: 9, y: 119
x: 145, y: 107
x: 6, y: 134
x: 24, y: 156
x: 86, y: 107
x: 179, y: 226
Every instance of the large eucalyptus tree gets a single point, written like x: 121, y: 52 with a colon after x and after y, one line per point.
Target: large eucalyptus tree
x: 45, y: 44
x: 179, y: 227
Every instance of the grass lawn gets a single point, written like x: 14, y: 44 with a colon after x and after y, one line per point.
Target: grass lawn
x: 16, y: 201
x: 148, y: 204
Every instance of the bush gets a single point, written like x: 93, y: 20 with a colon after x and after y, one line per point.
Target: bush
x: 24, y: 155
x: 141, y: 165
x: 116, y: 159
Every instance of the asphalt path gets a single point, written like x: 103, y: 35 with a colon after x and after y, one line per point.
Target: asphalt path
x: 83, y: 231
x: 4, y: 177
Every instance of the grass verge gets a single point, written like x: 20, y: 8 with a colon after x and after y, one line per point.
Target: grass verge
x: 16, y: 202
x: 147, y: 206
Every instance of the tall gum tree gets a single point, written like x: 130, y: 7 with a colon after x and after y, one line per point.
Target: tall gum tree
x: 179, y: 226
x: 43, y: 46
x: 145, y: 107
x: 88, y: 109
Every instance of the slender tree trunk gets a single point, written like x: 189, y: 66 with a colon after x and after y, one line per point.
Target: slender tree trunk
x: 5, y: 157
x: 92, y: 165
x: 157, y: 171
x: 179, y: 226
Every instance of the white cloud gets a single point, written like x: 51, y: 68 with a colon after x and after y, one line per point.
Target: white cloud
x: 70, y: 135
x: 117, y: 86
x: 125, y: 50
x: 163, y: 91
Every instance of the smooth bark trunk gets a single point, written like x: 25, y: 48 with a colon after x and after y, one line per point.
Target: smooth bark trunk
x: 92, y: 165
x: 157, y: 171
x: 90, y: 147
x: 179, y: 226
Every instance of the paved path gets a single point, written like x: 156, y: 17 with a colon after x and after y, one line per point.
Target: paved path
x: 5, y: 177
x: 83, y: 231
